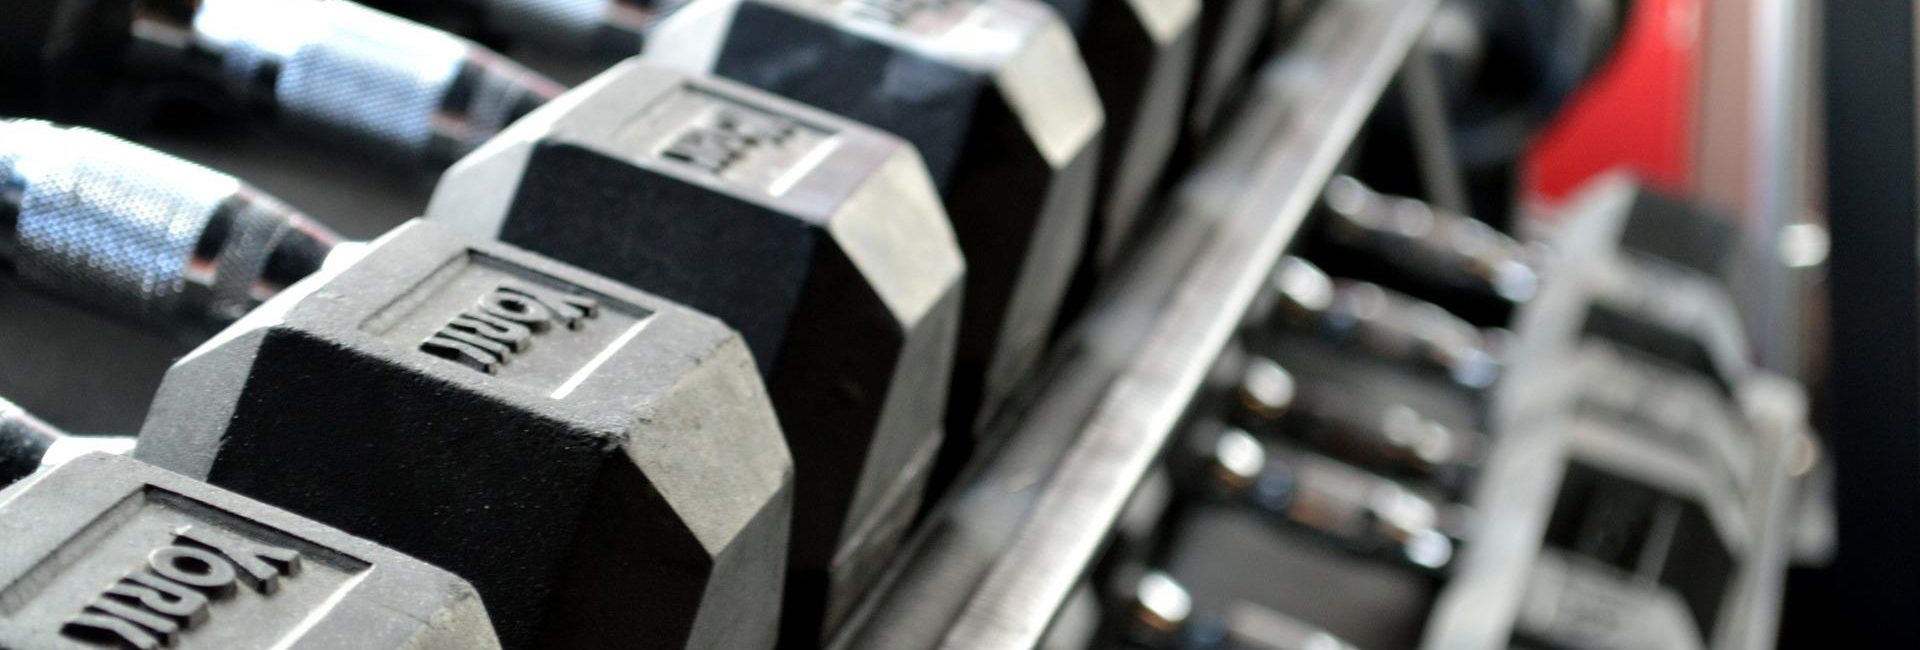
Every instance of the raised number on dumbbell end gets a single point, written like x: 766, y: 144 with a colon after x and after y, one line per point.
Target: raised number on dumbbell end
x: 147, y: 609
x: 486, y: 336
x: 731, y: 138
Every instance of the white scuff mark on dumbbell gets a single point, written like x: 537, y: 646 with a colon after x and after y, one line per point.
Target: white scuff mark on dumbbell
x: 600, y: 359
x: 300, y: 631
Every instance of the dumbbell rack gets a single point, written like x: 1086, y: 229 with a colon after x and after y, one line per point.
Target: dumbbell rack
x: 1539, y: 444
x: 1001, y: 560
x: 1000, y: 557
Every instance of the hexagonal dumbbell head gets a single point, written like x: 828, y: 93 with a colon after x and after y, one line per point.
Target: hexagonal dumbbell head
x: 994, y: 95
x: 1230, y: 35
x: 602, y: 464
x: 1140, y: 54
x: 821, y: 239
x: 108, y: 552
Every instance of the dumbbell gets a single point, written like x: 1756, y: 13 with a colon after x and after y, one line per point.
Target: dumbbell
x: 1380, y: 321
x: 1634, y: 404
x: 582, y: 452
x: 994, y: 95
x: 1639, y: 294
x: 1139, y: 54
x: 821, y: 240
x: 1626, y: 557
x: 326, y: 69
x: 1450, y: 259
x: 108, y: 552
x: 1230, y: 32
x: 601, y: 464
x: 1351, y: 424
x: 1657, y: 395
x: 1296, y: 490
x: 1157, y: 612
x: 1573, y: 602
x: 1483, y: 275
x: 852, y: 308
x: 28, y: 444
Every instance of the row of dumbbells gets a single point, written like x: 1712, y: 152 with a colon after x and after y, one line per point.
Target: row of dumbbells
x: 1337, y: 433
x: 517, y: 388
x: 1355, y: 417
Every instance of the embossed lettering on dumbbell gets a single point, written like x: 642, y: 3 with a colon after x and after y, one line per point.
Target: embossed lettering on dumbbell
x: 504, y: 323
x: 570, y: 439
x: 845, y: 233
x: 148, y: 608
x: 1001, y: 108
x: 728, y: 135
x: 713, y: 130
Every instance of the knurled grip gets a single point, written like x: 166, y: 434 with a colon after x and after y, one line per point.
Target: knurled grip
x: 339, y: 70
x: 142, y: 236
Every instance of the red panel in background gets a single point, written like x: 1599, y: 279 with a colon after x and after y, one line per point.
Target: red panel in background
x: 1636, y: 113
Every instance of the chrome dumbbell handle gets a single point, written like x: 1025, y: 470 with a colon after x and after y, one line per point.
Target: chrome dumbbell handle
x: 1448, y: 248
x: 1380, y: 434
x: 339, y: 71
x: 1335, y: 500
x: 141, y: 236
x: 1386, y: 323
x: 1158, y: 613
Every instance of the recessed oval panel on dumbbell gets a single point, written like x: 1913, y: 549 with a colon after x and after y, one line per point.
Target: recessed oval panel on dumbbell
x: 109, y: 552
x: 600, y: 463
x: 820, y: 239
x: 996, y: 98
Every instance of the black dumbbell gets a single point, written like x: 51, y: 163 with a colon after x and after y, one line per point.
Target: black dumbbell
x: 1613, y: 253
x: 328, y: 69
x: 848, y: 285
x: 1656, y: 394
x: 995, y: 96
x: 1352, y: 424
x: 820, y: 239
x: 601, y: 464
x: 1571, y: 601
x: 1380, y: 321
x: 105, y: 551
x: 1299, y: 490
x: 1450, y: 259
x: 1140, y: 54
x: 1230, y: 33
x: 575, y: 448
